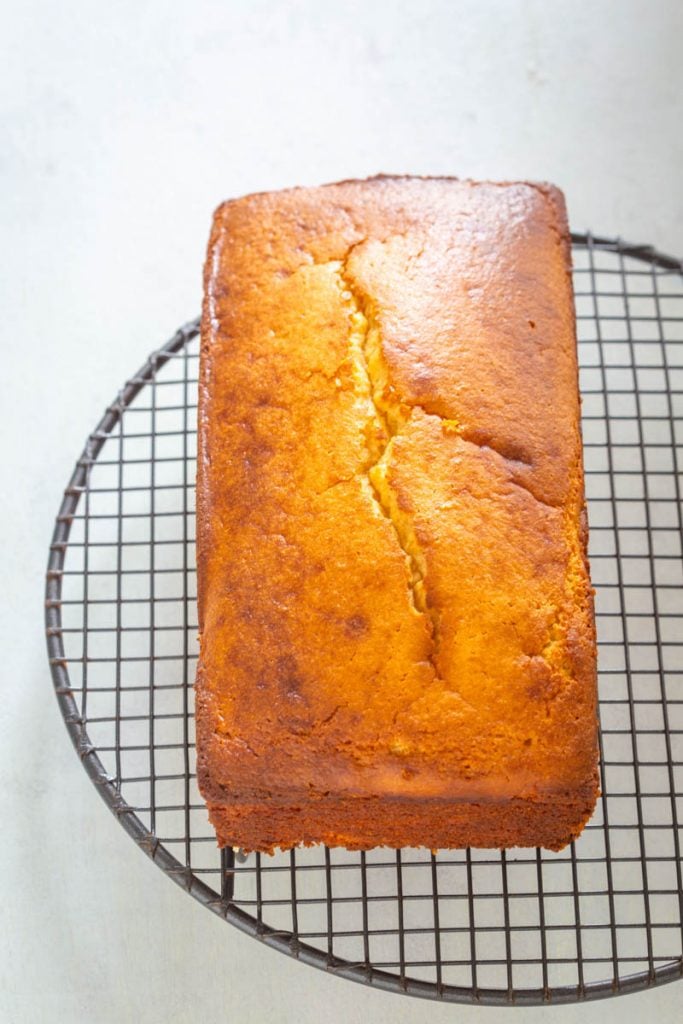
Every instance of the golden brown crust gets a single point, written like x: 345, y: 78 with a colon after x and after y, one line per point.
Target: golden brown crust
x: 394, y: 602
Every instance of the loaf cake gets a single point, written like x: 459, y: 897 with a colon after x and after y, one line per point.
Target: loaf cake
x: 397, y: 632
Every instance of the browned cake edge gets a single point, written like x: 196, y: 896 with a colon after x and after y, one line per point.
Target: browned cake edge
x: 365, y: 823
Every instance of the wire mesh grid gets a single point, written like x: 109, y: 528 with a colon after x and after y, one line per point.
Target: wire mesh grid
x: 528, y: 926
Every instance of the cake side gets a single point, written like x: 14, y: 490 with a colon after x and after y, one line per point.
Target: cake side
x: 394, y: 600
x: 363, y: 824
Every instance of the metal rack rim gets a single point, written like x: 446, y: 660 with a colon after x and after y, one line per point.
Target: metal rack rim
x: 222, y: 905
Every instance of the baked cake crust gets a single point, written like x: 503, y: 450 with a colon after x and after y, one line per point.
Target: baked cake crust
x: 397, y: 632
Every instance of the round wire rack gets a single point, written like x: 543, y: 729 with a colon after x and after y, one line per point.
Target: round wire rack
x: 605, y: 915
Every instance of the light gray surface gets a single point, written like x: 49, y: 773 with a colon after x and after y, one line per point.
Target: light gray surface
x: 123, y: 125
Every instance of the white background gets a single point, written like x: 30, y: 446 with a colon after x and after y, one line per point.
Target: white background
x: 123, y: 125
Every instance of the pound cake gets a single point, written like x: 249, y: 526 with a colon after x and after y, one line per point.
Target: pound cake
x: 397, y: 632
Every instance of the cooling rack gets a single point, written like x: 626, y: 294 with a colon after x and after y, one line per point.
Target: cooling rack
x: 602, y: 917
